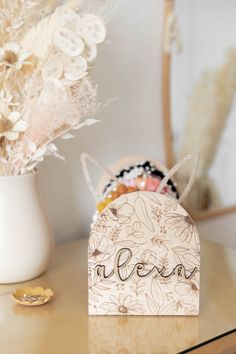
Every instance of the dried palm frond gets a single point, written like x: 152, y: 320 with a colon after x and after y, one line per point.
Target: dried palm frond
x: 39, y: 38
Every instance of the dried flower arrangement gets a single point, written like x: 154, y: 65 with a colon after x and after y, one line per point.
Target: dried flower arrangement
x: 46, y: 53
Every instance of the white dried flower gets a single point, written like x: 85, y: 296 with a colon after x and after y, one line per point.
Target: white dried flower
x: 55, y: 96
x: 74, y: 67
x: 76, y: 43
x: 92, y: 29
x: 12, y: 56
x: 11, y: 123
x: 65, y: 67
x: 90, y: 51
x: 68, y: 42
x: 6, y: 97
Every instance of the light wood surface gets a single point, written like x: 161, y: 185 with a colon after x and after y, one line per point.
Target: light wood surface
x: 63, y: 326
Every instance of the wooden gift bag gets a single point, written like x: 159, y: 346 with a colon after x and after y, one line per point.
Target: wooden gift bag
x: 144, y: 249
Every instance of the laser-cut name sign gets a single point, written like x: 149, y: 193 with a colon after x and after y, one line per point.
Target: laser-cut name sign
x: 143, y: 258
x: 139, y: 269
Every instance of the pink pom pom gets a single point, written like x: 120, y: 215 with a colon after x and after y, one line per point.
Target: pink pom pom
x: 152, y: 184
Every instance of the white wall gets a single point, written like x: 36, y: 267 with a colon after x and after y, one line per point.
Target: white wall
x: 220, y: 229
x: 127, y: 68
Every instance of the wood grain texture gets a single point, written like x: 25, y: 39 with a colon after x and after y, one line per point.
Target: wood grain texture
x: 144, y: 258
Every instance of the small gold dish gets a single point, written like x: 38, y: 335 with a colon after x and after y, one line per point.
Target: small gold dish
x: 32, y: 296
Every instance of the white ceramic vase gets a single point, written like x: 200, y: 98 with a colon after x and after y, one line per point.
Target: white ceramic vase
x: 26, y: 239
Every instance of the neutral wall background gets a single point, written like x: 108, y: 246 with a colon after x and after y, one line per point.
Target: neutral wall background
x: 128, y: 68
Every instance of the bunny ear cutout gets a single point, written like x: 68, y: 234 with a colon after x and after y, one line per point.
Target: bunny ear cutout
x: 84, y: 161
x: 144, y: 258
x: 168, y: 174
x: 176, y: 168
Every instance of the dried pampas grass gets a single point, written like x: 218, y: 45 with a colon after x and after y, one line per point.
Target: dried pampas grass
x: 208, y: 109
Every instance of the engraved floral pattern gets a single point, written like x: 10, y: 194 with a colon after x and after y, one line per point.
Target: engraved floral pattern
x: 120, y: 212
x: 123, y: 305
x: 98, y: 250
x: 183, y: 226
x: 100, y: 224
x: 147, y: 258
x: 159, y: 233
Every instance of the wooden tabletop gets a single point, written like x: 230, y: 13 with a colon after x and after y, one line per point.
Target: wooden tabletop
x: 63, y: 326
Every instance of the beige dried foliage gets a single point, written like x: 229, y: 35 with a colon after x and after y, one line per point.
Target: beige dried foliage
x: 34, y: 109
x: 207, y: 112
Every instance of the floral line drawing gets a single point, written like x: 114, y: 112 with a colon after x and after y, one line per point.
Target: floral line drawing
x: 165, y: 242
x: 174, y: 307
x: 157, y: 292
x: 152, y: 305
x: 120, y: 213
x: 115, y: 233
x: 101, y: 224
x: 98, y: 249
x: 134, y: 230
x: 122, y: 305
x: 157, y: 213
x: 164, y: 261
x: 187, y: 287
x: 170, y: 205
x: 137, y: 286
x: 186, y: 256
x: 161, y: 241
x: 182, y: 225
x: 142, y: 213
x: 153, y: 198
x: 128, y: 243
x: 97, y: 286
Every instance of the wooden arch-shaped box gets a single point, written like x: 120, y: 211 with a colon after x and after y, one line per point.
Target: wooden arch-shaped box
x: 143, y: 258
